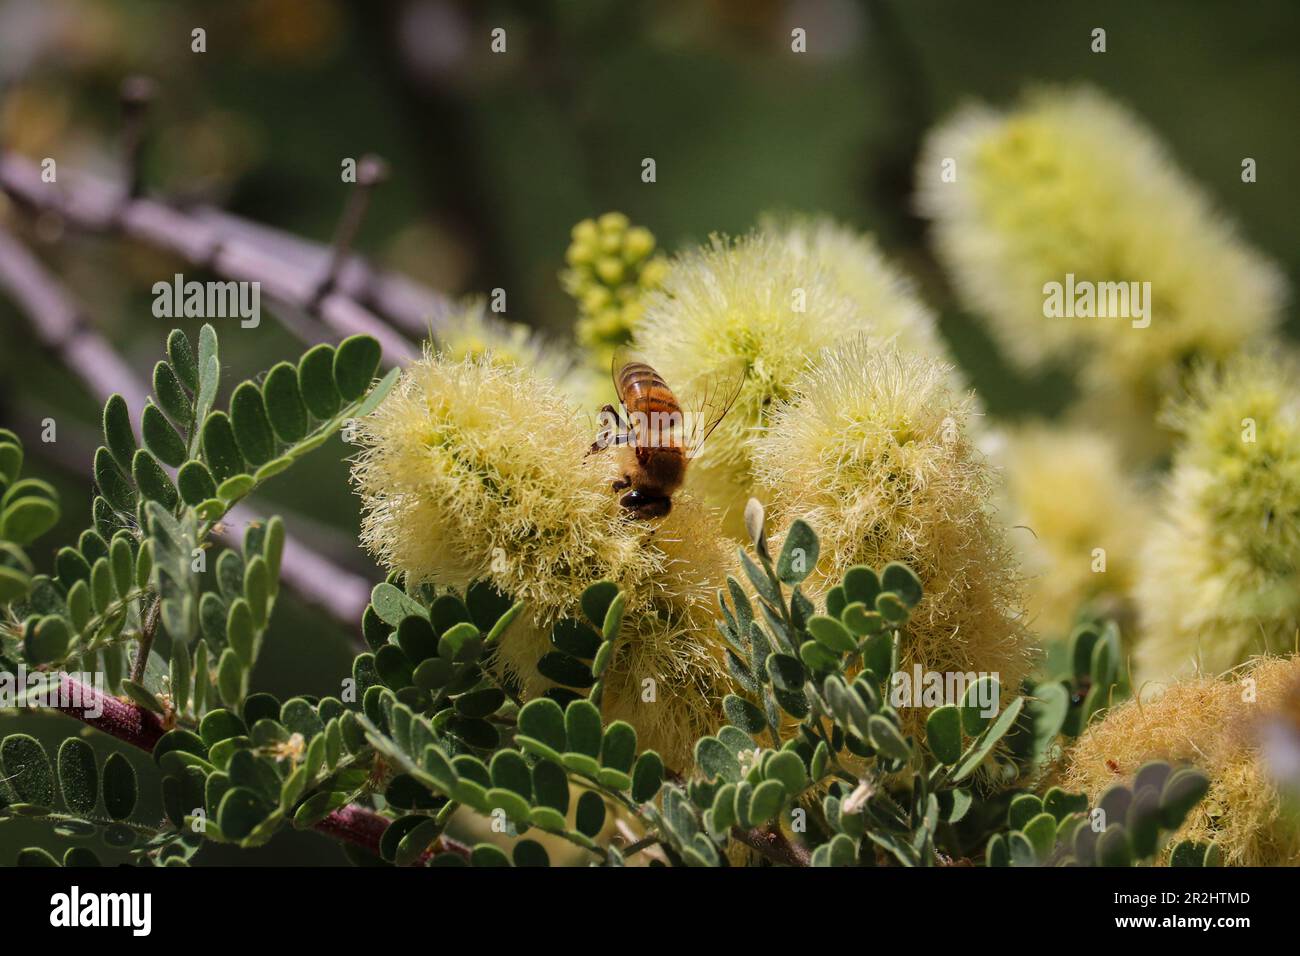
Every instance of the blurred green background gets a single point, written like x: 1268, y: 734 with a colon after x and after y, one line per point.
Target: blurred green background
x: 495, y: 156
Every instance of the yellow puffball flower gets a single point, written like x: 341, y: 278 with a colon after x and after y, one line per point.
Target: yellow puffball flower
x: 477, y: 469
x: 1080, y: 523
x: 855, y: 267
x: 1220, y: 577
x: 1212, y: 724
x: 1068, y: 182
x: 751, y: 303
x: 873, y: 451
x: 469, y: 331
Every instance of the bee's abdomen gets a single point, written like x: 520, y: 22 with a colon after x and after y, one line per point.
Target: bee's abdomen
x: 642, y: 390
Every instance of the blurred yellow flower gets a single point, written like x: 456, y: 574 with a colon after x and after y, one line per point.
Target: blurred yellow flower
x: 1070, y: 187
x: 1079, y: 523
x: 1220, y: 577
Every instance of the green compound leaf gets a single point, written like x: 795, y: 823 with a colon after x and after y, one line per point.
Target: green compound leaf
x: 118, y: 435
x: 884, y: 736
x: 799, y: 553
x: 716, y: 761
x: 195, y: 483
x: 831, y: 634
x: 551, y: 785
x: 787, y: 767
x: 542, y: 721
x: 220, y: 448
x: 171, y: 397
x: 182, y: 359
x: 378, y: 393
x: 48, y: 640
x: 284, y: 404
x: 160, y: 437
x: 861, y: 585
x: 565, y: 669
x: 252, y: 427
x: 590, y: 816
x: 26, y: 519
x: 613, y: 622
x: 78, y: 775
x: 582, y: 728
x: 596, y: 601
x: 393, y: 605
x: 1113, y: 847
x: 943, y: 734
x: 240, y: 812
x: 618, y: 749
x: 647, y: 776
x: 152, y: 480
x: 973, y: 717
x: 1183, y: 791
x: 355, y: 364
x: 902, y: 580
x: 120, y: 790
x: 765, y: 801
x: 744, y: 714
x: 112, y: 483
x: 27, y: 770
x: 316, y: 382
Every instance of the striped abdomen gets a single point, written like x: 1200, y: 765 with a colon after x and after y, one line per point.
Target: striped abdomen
x: 654, y: 415
x: 655, y: 419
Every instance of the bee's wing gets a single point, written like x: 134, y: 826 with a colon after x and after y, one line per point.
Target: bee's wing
x: 710, y: 401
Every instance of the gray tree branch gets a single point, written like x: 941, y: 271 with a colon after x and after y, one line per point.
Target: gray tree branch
x: 60, y: 325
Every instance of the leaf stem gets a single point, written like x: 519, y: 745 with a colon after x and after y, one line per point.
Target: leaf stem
x: 148, y: 630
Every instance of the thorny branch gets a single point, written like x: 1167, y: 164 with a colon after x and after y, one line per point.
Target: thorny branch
x: 328, y: 283
x: 290, y: 270
x: 61, y: 326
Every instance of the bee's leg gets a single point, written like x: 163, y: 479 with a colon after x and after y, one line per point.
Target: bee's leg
x: 613, y: 431
x: 646, y: 506
x: 622, y: 483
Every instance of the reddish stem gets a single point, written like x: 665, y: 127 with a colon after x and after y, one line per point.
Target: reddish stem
x: 355, y: 825
x: 142, y: 728
x: 116, y: 717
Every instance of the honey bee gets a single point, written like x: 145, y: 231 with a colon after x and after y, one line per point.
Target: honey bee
x: 659, y: 439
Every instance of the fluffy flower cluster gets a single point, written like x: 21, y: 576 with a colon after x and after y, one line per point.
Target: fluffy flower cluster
x: 1220, y: 570
x: 1213, y: 724
x: 469, y: 331
x: 1079, y: 521
x: 855, y: 267
x: 477, y: 469
x: 1069, y: 183
x: 872, y: 449
x: 768, y: 302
